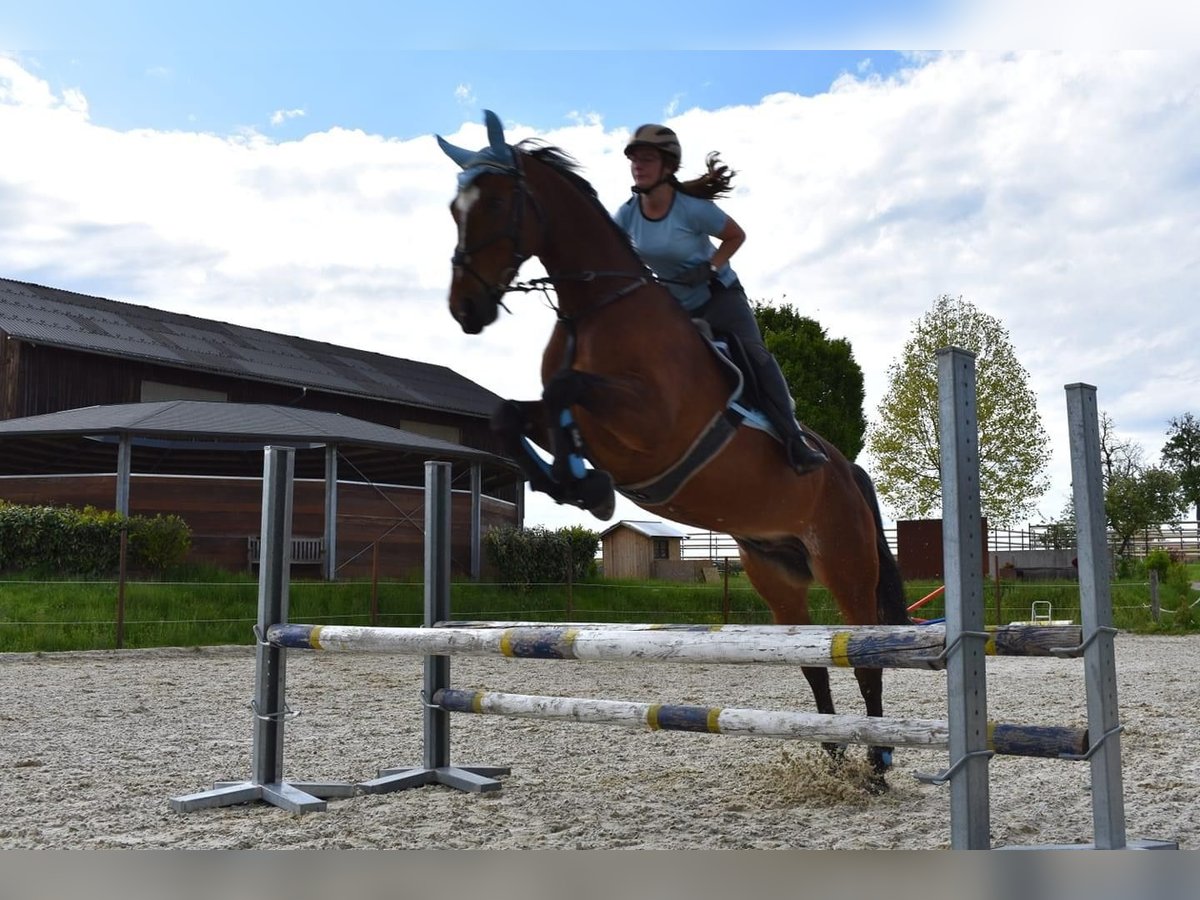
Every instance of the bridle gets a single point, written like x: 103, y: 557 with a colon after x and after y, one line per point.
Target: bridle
x: 516, y: 220
x: 522, y: 195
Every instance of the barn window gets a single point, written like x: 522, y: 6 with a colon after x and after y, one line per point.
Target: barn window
x: 154, y: 391
x: 660, y: 548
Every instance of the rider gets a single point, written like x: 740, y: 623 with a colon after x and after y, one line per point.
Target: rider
x: 670, y: 224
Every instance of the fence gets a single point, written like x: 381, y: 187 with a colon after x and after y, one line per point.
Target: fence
x: 1182, y: 539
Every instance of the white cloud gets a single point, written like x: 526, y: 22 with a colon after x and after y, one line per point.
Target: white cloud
x: 282, y: 115
x: 1058, y: 192
x: 464, y: 95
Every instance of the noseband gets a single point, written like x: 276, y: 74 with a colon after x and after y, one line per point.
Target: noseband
x: 462, y: 255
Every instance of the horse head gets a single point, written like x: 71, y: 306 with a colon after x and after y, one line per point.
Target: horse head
x: 495, y: 236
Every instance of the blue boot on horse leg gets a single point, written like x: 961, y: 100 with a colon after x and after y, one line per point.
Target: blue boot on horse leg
x: 567, y: 480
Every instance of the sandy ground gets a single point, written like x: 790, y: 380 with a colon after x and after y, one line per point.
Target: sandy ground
x: 93, y: 744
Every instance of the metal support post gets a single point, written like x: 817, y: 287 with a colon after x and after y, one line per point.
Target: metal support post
x: 1095, y: 610
x: 269, y: 705
x: 966, y: 638
x: 476, y: 521
x: 437, y: 768
x: 331, y: 504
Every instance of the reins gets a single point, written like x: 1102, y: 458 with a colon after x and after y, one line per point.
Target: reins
x: 549, y: 283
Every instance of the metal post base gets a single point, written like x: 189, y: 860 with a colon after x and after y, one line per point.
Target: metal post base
x: 1131, y: 845
x: 295, y: 797
x: 476, y: 779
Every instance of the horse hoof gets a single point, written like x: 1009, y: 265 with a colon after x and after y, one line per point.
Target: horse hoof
x: 877, y: 784
x: 596, y: 495
x: 837, y: 754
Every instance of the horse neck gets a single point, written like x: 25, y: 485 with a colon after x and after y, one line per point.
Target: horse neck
x: 589, y: 243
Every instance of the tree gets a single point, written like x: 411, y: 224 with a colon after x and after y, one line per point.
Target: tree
x: 1181, y: 454
x: 821, y: 374
x: 1139, y: 499
x: 1118, y: 458
x: 1136, y: 496
x: 1012, y: 442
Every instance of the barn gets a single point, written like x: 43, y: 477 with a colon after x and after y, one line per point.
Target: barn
x: 642, y: 550
x: 127, y: 407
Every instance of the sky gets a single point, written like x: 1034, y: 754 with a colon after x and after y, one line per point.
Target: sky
x: 273, y: 165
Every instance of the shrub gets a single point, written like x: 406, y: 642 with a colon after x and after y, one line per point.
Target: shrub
x: 1185, y: 616
x: 1158, y: 561
x: 159, y: 543
x: 528, y: 556
x: 52, y: 539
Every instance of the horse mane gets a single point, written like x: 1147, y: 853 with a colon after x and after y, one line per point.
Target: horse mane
x: 568, y: 167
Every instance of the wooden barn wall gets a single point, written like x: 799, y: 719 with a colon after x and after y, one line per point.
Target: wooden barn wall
x: 920, y: 551
x: 38, y: 379
x: 10, y: 353
x: 627, y: 554
x: 223, y: 512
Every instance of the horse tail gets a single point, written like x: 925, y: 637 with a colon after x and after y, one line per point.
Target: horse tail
x: 890, y: 601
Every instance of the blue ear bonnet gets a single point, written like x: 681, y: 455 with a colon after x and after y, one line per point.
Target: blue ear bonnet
x: 497, y: 156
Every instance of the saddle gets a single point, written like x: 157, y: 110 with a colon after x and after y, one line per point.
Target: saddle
x: 742, y: 380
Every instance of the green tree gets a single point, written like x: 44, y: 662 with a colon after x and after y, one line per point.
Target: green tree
x: 1139, y: 499
x: 1119, y: 457
x: 1181, y: 454
x: 821, y: 373
x: 1013, y: 446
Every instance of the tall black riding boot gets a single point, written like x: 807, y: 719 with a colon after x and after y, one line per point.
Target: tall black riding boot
x: 804, y: 452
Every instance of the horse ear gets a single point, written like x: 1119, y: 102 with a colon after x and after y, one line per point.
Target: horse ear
x: 458, y: 154
x: 495, y: 133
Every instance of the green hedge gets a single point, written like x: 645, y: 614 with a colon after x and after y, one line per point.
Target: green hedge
x: 62, y: 539
x: 528, y: 556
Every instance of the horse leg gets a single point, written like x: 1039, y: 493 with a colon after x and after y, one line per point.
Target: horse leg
x: 854, y: 582
x: 870, y: 685
x: 782, y: 579
x: 589, y: 489
x: 522, y: 424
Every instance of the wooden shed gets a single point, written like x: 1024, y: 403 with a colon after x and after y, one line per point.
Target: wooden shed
x: 641, y: 550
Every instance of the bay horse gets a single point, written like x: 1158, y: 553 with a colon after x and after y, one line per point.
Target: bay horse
x: 631, y: 385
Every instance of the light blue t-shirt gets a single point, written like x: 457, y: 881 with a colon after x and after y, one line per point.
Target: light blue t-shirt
x: 677, y: 241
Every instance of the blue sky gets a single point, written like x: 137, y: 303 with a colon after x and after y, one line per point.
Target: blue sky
x: 405, y: 69
x: 273, y: 165
x: 406, y: 93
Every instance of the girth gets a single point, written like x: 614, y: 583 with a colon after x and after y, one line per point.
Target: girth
x: 711, y: 441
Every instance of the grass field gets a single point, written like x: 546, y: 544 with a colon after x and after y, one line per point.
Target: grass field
x: 206, y: 607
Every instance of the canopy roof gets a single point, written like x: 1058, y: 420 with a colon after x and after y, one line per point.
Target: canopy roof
x: 194, y: 437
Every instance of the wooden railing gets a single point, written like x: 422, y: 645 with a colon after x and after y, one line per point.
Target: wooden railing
x: 306, y: 551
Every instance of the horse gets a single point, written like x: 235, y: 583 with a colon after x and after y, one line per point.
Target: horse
x: 632, y: 386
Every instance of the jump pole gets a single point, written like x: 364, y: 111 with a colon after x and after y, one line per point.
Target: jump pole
x: 436, y: 768
x: 884, y: 646
x: 269, y: 705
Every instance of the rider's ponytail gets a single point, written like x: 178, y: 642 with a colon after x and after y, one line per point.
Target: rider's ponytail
x: 716, y: 182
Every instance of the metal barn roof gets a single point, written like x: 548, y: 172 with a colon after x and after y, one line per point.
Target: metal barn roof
x: 229, y: 436
x: 81, y: 322
x: 649, y: 529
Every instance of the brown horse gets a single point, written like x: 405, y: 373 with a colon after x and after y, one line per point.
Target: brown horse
x: 631, y: 384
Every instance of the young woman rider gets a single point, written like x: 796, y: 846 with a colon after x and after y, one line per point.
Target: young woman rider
x: 671, y: 225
